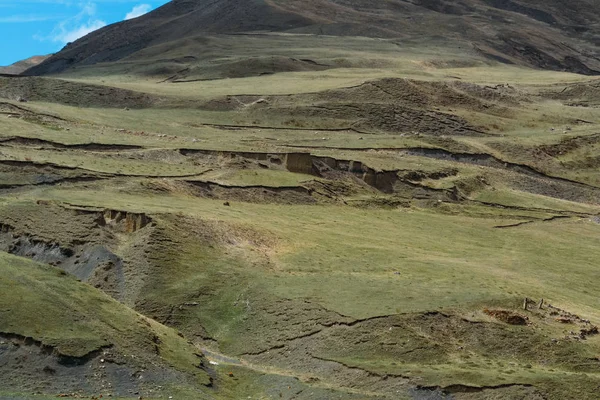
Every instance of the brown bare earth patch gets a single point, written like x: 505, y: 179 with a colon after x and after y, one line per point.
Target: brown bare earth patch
x: 509, y: 317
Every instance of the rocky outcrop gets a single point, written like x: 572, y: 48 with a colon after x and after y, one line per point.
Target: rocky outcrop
x: 253, y: 194
x: 133, y: 221
x: 380, y: 180
x: 299, y: 162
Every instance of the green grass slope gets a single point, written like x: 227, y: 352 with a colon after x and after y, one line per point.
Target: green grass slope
x: 77, y: 327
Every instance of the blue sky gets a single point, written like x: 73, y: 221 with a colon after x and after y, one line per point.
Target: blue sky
x: 39, y: 27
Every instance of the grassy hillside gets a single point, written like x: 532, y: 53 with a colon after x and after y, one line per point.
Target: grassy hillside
x: 366, y: 230
x: 51, y: 323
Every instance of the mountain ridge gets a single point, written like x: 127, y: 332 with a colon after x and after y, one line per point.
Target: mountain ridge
x: 523, y: 32
x: 23, y: 65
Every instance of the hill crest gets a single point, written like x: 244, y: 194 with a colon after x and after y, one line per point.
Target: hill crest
x: 542, y: 35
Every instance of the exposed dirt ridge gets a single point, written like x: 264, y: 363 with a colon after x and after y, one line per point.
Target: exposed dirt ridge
x: 488, y: 160
x: 389, y: 181
x: 461, y: 388
x: 253, y: 193
x: 369, y: 373
x: 482, y: 159
x: 539, y: 183
x: 53, y: 181
x: 309, y: 164
x: 62, y: 358
x: 23, y: 110
x: 18, y: 163
x: 331, y: 168
x: 97, y: 174
x: 133, y: 221
x: 386, y: 181
x: 36, y: 142
x: 287, y: 128
x: 554, y: 218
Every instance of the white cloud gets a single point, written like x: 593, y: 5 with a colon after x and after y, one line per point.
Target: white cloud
x: 138, y: 11
x: 71, y: 35
x: 77, y: 26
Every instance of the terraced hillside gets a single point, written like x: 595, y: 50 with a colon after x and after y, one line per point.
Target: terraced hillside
x: 381, y: 220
